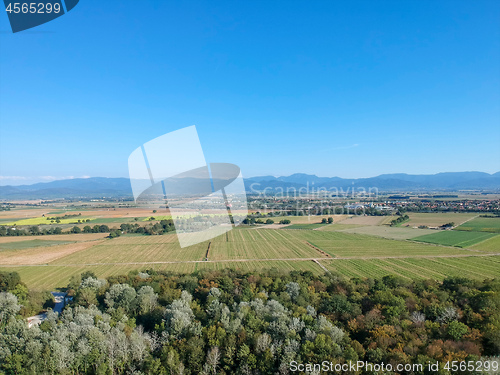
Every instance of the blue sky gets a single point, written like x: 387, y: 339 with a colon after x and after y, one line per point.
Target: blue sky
x: 333, y: 88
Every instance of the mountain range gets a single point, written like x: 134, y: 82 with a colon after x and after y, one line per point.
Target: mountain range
x: 96, y: 187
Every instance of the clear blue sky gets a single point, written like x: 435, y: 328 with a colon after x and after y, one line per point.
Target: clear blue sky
x: 333, y: 88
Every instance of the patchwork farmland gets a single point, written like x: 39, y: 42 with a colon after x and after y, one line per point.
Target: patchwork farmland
x: 353, y: 246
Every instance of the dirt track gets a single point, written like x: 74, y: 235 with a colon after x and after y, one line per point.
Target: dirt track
x: 262, y: 260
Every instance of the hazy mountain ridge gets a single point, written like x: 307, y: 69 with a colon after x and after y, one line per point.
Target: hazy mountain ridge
x: 120, y: 187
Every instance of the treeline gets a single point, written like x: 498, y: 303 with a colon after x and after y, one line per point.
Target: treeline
x: 162, y: 227
x: 228, y: 322
x: 31, y: 231
x: 399, y: 220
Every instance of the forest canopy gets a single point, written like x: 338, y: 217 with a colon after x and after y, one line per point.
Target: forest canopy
x: 229, y: 322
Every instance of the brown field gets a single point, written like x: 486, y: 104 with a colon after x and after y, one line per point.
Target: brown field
x: 365, y: 220
x: 41, y: 255
x: 437, y: 219
x: 25, y: 213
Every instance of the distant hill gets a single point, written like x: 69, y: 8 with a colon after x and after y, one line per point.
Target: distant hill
x: 98, y: 187
x: 74, y: 188
x: 448, y: 181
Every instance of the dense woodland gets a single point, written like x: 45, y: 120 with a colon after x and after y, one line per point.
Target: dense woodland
x: 227, y: 322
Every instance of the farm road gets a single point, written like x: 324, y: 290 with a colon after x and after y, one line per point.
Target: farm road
x: 470, y: 254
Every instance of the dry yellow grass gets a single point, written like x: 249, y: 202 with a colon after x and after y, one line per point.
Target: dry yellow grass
x: 364, y: 220
x: 37, y: 255
x: 437, y: 219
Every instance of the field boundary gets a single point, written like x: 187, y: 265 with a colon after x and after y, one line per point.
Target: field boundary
x: 322, y: 252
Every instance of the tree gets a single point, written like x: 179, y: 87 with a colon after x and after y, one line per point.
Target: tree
x: 103, y: 229
x: 323, y: 221
x: 293, y: 289
x: 34, y: 230
x: 330, y: 220
x: 147, y: 299
x: 8, y: 307
x: 456, y: 330
x: 179, y: 315
x: 269, y: 221
x: 121, y: 295
x: 212, y: 361
x: 87, y: 229
x: 76, y: 229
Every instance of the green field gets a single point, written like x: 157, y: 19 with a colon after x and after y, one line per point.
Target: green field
x: 396, y: 233
x: 51, y: 277
x: 305, y: 226
x: 482, y: 224
x: 351, y: 254
x: 18, y: 245
x: 491, y: 245
x: 44, y: 221
x: 418, y: 268
x: 455, y: 238
x: 135, y: 249
x: 114, y: 220
x: 157, y: 217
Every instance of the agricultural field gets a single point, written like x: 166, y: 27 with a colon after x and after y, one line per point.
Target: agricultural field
x: 136, y: 249
x: 355, y: 246
x: 435, y: 219
x: 45, y: 221
x: 262, y: 244
x: 157, y: 217
x: 348, y: 245
x: 491, y: 245
x: 455, y: 238
x: 418, y: 268
x: 339, y: 226
x: 395, y: 233
x: 367, y: 220
x: 306, y: 226
x: 482, y: 224
x: 42, y: 255
x: 18, y: 245
x: 82, y: 237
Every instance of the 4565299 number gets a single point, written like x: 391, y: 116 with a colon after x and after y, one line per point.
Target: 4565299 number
x: 33, y: 8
